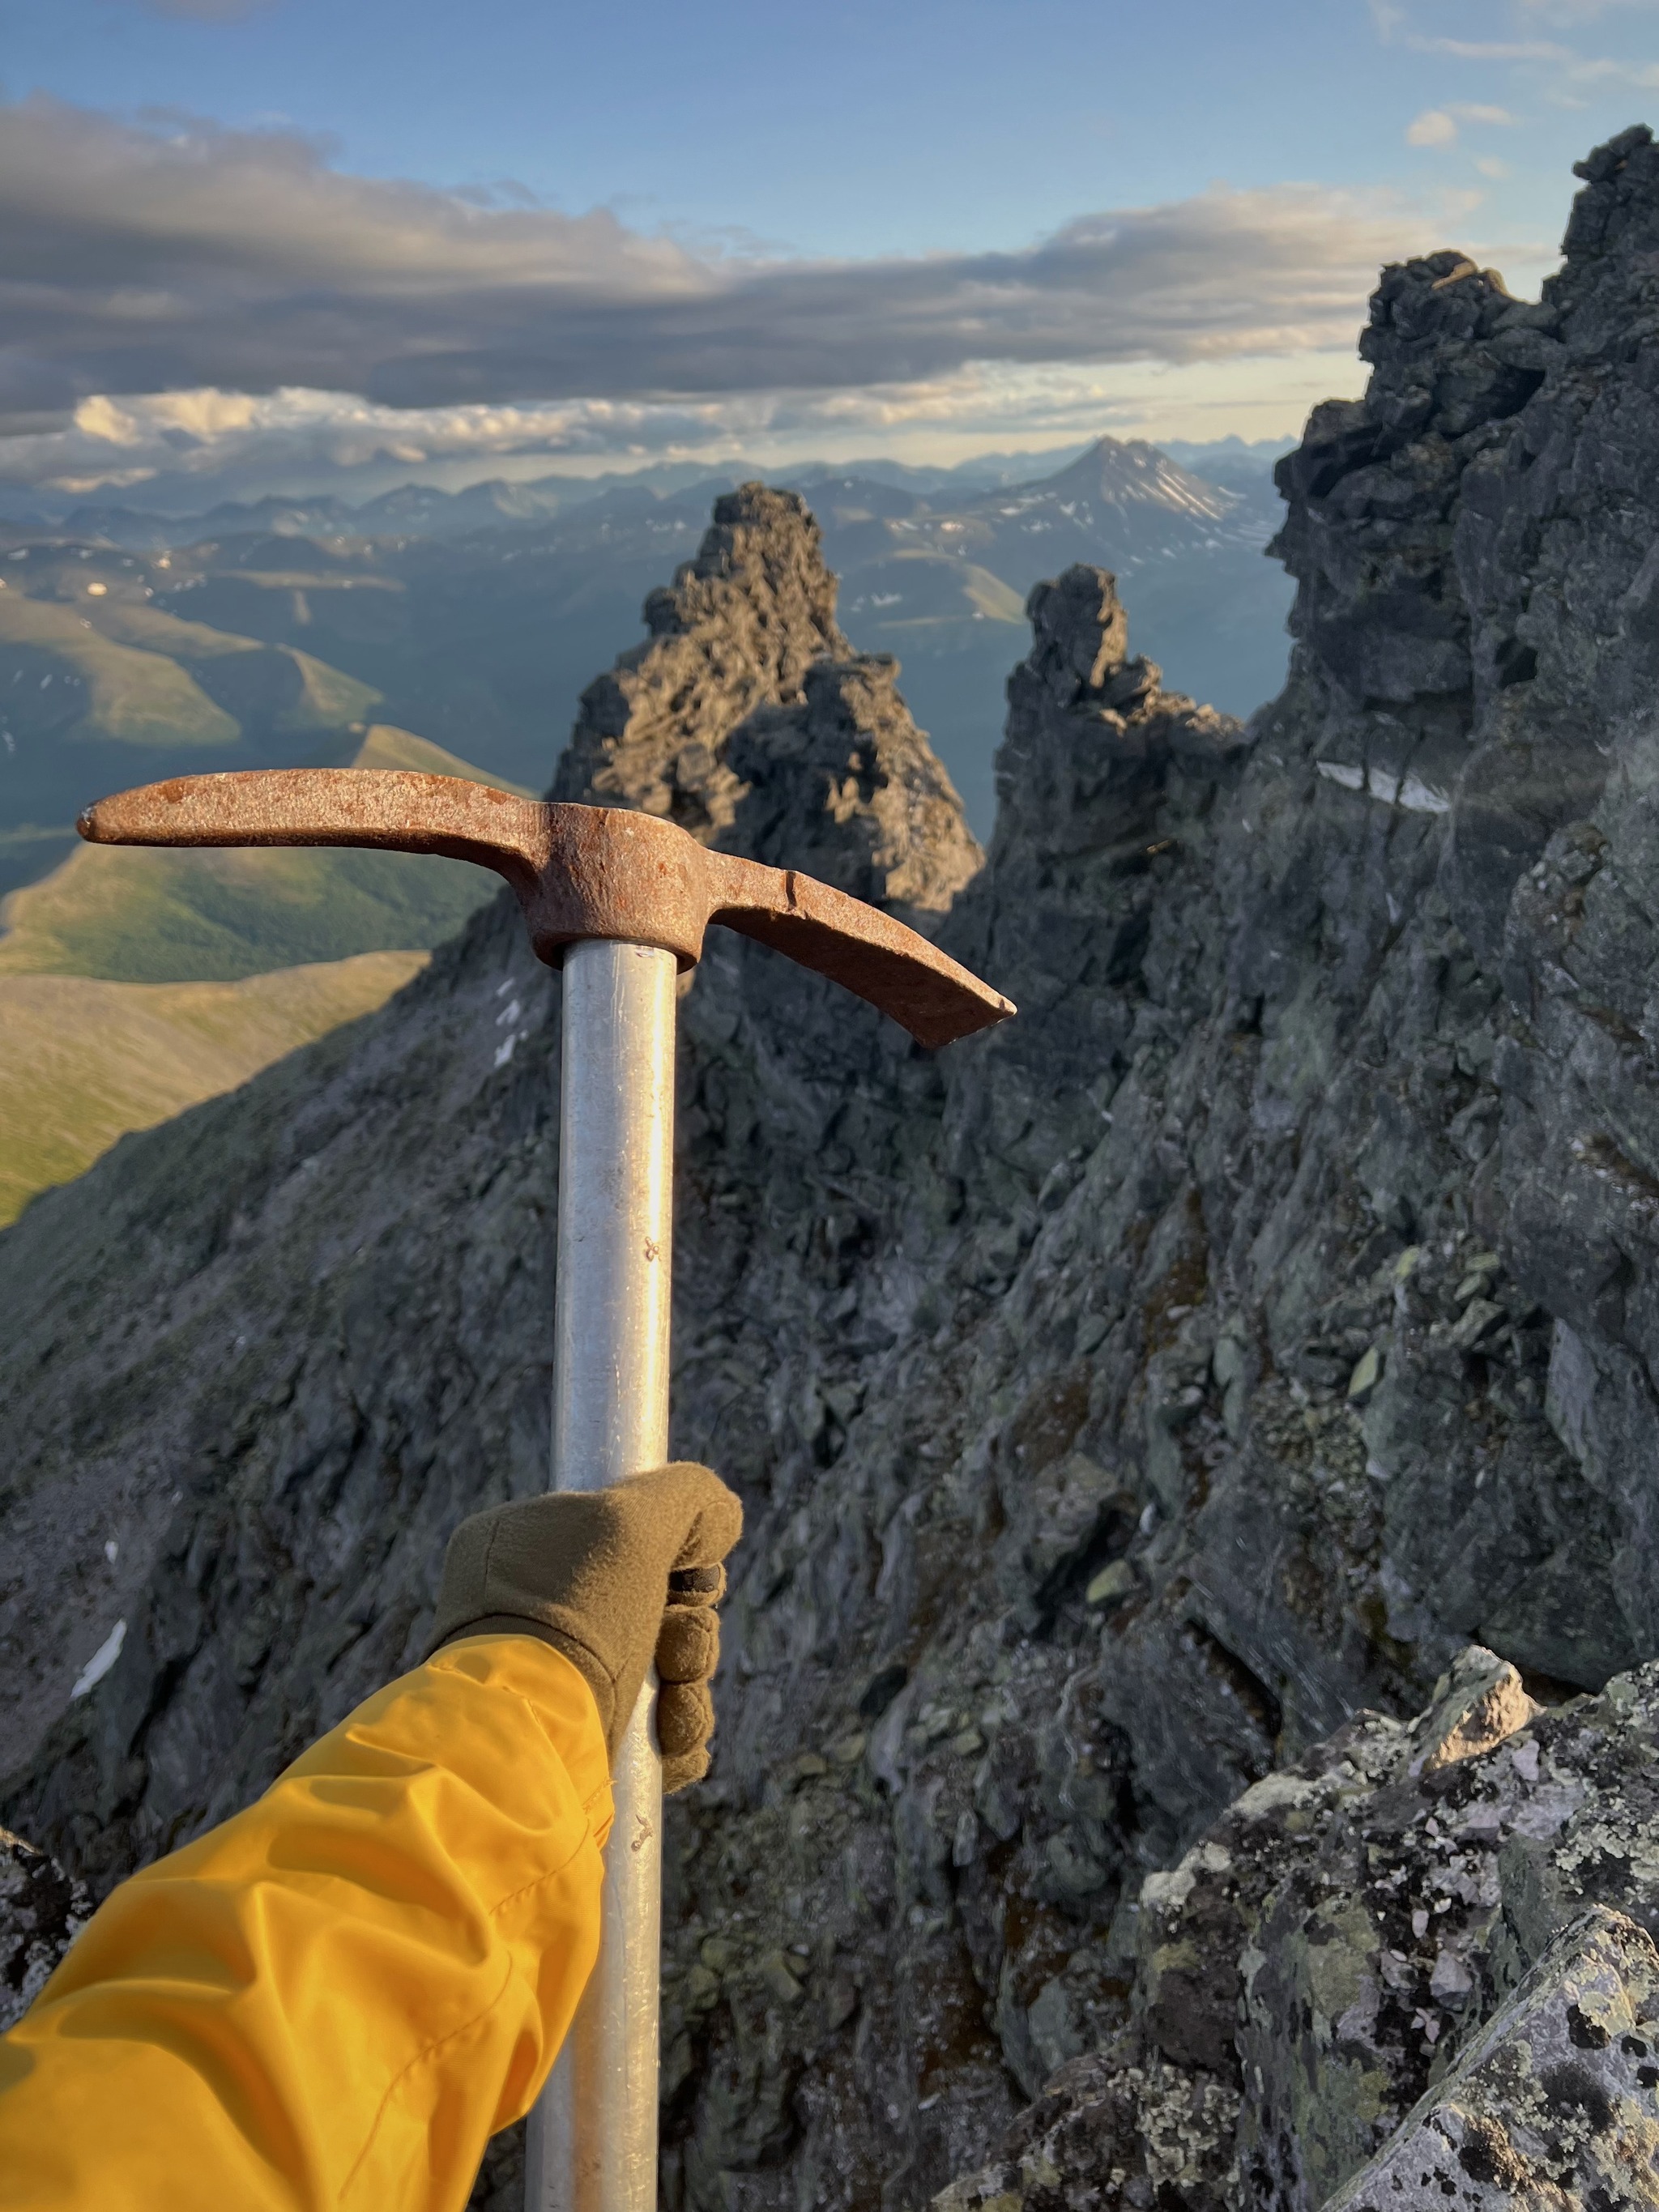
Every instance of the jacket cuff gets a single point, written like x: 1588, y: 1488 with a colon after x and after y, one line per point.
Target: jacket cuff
x: 518, y: 1624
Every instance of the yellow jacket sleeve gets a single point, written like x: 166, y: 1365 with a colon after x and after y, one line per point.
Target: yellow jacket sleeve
x: 337, y: 1997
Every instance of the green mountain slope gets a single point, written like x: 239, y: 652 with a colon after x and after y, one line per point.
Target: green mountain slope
x: 101, y: 687
x: 138, y: 915
x: 69, y: 679
x: 134, y: 983
x: 913, y: 589
x: 274, y: 688
x: 84, y: 659
x: 28, y: 851
x: 82, y: 1061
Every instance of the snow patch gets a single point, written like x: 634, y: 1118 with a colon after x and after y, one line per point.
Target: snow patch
x: 1409, y: 791
x: 100, y: 1662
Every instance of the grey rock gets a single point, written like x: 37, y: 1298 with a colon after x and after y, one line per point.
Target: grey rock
x: 42, y: 1909
x: 1477, y: 1702
x: 1111, y: 2129
x: 1417, y: 1965
x: 737, y: 630
x: 1557, y: 2103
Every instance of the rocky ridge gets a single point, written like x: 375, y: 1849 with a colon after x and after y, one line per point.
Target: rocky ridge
x: 1124, y: 1400
x: 1416, y: 1964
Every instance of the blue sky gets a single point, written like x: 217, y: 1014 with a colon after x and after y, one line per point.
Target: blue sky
x: 794, y: 217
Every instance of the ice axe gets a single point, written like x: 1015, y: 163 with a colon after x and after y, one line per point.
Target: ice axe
x: 620, y: 901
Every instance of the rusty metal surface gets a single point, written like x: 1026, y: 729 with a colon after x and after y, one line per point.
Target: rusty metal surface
x: 579, y: 873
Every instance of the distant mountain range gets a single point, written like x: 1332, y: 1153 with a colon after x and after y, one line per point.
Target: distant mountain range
x: 428, y: 511
x: 499, y: 499
x: 412, y: 510
x: 135, y: 645
x: 185, y: 503
x: 477, y: 617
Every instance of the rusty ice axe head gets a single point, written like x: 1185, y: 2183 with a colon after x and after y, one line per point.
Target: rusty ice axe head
x: 578, y: 872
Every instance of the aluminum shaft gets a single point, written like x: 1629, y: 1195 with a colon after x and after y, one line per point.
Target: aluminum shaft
x: 594, y: 2135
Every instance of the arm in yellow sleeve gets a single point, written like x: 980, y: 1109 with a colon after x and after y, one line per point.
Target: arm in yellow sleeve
x: 337, y: 1997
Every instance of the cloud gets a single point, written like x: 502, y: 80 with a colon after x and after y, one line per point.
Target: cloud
x: 1437, y: 126
x: 1570, y: 68
x: 172, y: 253
x: 1433, y: 127
x: 188, y: 448
x: 1480, y: 50
x: 1643, y: 74
x: 1578, y: 11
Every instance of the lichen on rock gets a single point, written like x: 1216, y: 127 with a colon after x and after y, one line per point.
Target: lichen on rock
x: 1379, y: 1979
x: 1557, y: 2103
x: 42, y: 1910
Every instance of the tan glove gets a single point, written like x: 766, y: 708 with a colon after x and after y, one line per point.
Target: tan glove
x: 611, y: 1578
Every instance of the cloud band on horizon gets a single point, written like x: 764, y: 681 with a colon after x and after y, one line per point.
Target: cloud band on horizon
x: 139, y: 259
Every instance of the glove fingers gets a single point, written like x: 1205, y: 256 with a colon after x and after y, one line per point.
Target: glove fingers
x: 607, y: 1577
x: 697, y: 1585
x: 685, y: 1717
x: 688, y: 1643
x: 714, y: 1518
x: 688, y: 1766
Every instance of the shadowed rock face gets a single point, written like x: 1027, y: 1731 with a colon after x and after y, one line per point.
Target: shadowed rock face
x: 748, y: 718
x: 1122, y: 1400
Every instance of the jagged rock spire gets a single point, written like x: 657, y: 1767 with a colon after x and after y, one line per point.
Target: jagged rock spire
x: 747, y: 717
x: 737, y: 630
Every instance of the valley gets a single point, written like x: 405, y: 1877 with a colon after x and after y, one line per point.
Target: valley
x: 135, y: 646
x: 476, y: 620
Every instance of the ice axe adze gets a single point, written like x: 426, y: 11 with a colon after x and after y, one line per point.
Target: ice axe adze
x: 620, y: 901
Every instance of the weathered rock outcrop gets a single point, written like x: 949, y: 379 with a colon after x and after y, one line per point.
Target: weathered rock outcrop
x: 1124, y: 1400
x: 1555, y: 2104
x: 42, y: 1909
x: 1417, y: 1964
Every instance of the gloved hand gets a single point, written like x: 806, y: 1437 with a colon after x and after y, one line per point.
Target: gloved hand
x: 611, y: 1578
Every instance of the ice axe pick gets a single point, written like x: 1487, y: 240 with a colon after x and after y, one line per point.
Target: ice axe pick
x: 620, y: 901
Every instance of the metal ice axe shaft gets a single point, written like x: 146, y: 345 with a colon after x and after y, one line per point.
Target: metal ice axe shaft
x: 621, y: 901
